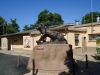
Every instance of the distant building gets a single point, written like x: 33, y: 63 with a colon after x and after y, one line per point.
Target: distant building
x: 78, y: 35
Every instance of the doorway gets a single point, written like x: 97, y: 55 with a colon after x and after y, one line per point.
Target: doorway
x: 84, y: 47
x: 9, y: 44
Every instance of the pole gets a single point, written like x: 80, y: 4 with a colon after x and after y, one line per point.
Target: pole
x: 86, y: 61
x: 91, y: 18
x: 3, y: 27
x: 34, y: 56
x: 33, y: 66
x: 18, y: 63
x: 73, y: 67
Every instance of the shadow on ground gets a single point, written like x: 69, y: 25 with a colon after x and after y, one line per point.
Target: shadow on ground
x: 8, y: 65
x: 93, y: 67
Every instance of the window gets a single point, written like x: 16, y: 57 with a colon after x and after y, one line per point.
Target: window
x: 76, y: 39
x: 15, y: 40
x: 93, y: 36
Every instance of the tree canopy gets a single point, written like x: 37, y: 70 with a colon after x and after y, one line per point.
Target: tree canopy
x: 26, y: 27
x: 88, y: 17
x: 46, y: 17
x: 2, y: 22
x: 29, y: 27
x: 49, y: 18
x: 12, y: 27
x: 8, y: 28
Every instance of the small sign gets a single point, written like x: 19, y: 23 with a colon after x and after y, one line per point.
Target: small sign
x: 40, y: 48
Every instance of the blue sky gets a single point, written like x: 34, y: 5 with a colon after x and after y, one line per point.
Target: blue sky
x: 26, y: 11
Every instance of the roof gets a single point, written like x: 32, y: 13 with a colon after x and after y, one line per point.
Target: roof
x: 19, y: 33
x: 34, y: 31
x: 55, y: 27
x: 69, y: 26
x: 61, y: 27
x: 75, y: 29
x: 85, y: 25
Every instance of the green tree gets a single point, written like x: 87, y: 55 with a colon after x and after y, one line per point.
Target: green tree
x: 49, y: 18
x: 15, y: 25
x: 29, y: 27
x: 26, y: 27
x: 32, y: 26
x: 12, y: 27
x: 2, y: 23
x: 46, y: 17
x: 88, y: 17
x: 57, y: 19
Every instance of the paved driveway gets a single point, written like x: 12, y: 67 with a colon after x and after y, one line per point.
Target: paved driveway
x: 93, y: 64
x: 8, y: 62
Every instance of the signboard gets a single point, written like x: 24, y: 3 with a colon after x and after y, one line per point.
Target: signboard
x: 39, y: 48
x: 3, y: 42
x: 27, y: 41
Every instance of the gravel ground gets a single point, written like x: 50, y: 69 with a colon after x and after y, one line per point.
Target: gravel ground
x: 8, y: 63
